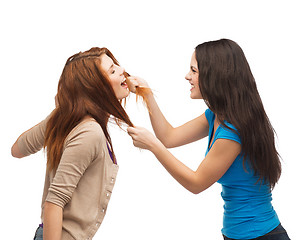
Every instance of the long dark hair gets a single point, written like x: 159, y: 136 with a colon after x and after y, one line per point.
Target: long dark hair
x: 229, y: 90
x: 83, y: 90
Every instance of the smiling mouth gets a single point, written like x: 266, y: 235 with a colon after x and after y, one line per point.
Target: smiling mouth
x: 123, y: 83
x: 192, y: 87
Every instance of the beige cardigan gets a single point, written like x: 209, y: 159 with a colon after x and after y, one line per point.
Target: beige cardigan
x: 84, y: 180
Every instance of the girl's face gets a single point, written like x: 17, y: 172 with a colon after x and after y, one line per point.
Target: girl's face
x: 116, y: 77
x: 193, y: 78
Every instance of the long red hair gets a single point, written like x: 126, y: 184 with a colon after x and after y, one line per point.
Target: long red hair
x: 83, y: 90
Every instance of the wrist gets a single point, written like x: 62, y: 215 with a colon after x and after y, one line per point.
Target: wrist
x: 144, y: 91
x: 156, y: 146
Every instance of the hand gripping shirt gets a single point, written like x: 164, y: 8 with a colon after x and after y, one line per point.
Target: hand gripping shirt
x: 248, y: 212
x: 83, y: 182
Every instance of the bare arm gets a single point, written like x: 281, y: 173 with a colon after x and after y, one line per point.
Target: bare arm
x: 172, y: 136
x: 53, y: 220
x: 212, y: 168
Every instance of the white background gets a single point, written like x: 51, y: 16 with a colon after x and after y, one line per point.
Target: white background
x: 154, y: 40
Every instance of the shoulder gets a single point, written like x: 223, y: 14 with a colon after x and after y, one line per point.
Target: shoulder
x: 209, y: 116
x: 229, y: 132
x: 88, y: 131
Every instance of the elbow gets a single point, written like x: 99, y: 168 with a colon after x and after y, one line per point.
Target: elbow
x: 166, y: 138
x: 167, y: 145
x: 15, y: 152
x: 16, y: 155
x: 197, y: 188
x: 165, y: 142
x: 196, y: 191
x: 192, y: 189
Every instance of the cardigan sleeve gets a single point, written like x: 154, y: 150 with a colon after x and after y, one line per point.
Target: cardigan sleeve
x: 80, y: 149
x: 32, y: 140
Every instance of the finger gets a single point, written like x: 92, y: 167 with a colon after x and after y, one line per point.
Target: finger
x: 131, y: 130
x: 131, y: 78
x: 135, y: 143
x: 135, y: 80
x: 132, y: 84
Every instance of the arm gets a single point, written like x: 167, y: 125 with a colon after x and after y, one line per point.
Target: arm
x: 212, y: 168
x: 29, y: 142
x: 53, y: 219
x: 15, y: 151
x: 176, y: 136
x: 168, y: 135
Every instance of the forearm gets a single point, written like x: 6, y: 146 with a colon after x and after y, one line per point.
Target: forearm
x: 179, y: 171
x: 161, y: 126
x: 53, y: 220
x: 212, y: 168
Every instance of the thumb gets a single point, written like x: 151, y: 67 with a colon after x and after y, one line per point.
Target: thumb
x: 132, y: 84
x: 130, y: 130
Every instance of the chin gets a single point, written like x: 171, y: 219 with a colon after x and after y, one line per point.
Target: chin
x: 123, y: 96
x: 193, y: 96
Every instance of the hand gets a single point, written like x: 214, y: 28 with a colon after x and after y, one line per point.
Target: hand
x: 134, y: 82
x: 142, y: 138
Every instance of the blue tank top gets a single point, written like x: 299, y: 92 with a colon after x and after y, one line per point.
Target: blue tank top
x: 248, y: 212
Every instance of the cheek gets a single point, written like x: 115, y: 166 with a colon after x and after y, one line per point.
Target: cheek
x: 113, y: 82
x: 197, y: 88
x: 196, y: 81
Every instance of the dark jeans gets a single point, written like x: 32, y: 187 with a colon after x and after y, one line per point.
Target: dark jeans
x: 279, y: 233
x: 39, y: 233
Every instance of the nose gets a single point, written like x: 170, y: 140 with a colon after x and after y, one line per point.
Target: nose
x: 122, y: 69
x: 187, y: 77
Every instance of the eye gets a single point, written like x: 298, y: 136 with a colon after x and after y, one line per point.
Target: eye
x: 113, y: 71
x: 193, y: 70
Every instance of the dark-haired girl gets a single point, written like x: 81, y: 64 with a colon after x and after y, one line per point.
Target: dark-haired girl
x: 241, y: 153
x: 81, y: 164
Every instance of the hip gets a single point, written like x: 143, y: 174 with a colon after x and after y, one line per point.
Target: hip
x: 279, y: 233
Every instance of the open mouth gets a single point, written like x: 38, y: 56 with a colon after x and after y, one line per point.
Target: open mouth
x: 192, y: 87
x: 123, y: 83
